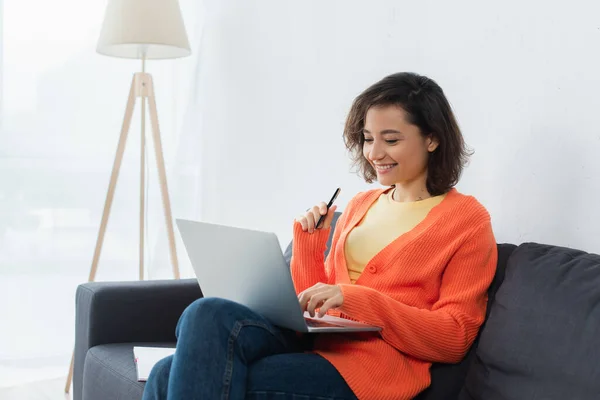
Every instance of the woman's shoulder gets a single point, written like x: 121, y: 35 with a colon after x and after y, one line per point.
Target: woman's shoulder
x: 468, y: 207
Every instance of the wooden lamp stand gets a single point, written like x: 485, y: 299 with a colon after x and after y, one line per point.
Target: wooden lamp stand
x: 140, y: 30
x: 142, y: 87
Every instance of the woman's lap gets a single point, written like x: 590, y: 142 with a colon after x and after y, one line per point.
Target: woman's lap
x: 225, y: 350
x: 301, y: 376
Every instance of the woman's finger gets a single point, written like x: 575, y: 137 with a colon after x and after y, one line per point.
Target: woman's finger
x: 315, y: 301
x: 304, y: 297
x: 320, y: 212
x: 310, y: 221
x: 328, y: 305
x: 303, y: 300
x: 322, y: 208
x: 302, y: 221
x: 316, y: 212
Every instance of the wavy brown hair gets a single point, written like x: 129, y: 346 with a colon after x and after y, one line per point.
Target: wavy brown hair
x: 426, y: 106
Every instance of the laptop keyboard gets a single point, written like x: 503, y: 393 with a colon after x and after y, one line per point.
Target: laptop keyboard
x: 313, y: 323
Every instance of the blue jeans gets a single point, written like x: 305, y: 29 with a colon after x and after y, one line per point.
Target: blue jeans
x: 226, y: 351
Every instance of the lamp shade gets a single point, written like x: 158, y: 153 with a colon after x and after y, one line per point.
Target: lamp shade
x: 151, y: 29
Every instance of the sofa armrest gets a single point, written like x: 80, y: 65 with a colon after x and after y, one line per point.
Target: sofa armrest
x: 122, y: 312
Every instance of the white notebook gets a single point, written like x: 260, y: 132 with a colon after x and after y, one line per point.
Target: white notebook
x: 146, y: 357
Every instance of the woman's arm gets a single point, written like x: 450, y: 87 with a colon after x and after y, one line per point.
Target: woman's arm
x: 308, y: 263
x: 308, y: 255
x: 444, y: 333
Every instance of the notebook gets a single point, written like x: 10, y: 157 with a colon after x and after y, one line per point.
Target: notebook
x: 146, y: 357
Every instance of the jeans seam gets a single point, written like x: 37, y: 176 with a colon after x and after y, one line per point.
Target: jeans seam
x: 230, y: 350
x: 229, y: 365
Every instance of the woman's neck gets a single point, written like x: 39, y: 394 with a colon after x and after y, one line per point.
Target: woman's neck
x: 410, y: 191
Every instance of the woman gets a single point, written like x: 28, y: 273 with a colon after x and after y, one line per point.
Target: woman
x: 415, y: 257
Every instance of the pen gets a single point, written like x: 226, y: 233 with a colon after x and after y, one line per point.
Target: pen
x: 335, y: 194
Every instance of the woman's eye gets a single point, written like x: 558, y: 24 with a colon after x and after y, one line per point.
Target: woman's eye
x: 368, y: 140
x: 391, y: 141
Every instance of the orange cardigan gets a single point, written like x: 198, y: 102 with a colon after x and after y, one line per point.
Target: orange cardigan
x: 427, y: 290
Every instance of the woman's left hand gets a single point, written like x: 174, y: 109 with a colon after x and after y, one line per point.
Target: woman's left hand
x: 321, y: 296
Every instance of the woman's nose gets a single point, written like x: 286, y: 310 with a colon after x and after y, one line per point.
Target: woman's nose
x: 377, y: 152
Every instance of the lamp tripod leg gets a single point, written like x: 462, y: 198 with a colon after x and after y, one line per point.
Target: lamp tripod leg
x: 162, y: 177
x: 109, y: 199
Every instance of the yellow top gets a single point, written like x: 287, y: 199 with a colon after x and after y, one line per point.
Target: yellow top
x: 385, y: 221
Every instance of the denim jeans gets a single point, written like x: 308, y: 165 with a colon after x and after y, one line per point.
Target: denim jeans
x: 226, y: 351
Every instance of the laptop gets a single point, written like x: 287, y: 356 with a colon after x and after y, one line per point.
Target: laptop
x: 247, y: 266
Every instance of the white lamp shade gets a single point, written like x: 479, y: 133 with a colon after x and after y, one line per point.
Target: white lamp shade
x: 151, y: 29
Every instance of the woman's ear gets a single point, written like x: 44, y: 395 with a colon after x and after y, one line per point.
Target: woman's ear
x: 432, y: 143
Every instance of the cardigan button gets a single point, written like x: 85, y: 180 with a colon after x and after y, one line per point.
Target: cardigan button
x: 372, y: 269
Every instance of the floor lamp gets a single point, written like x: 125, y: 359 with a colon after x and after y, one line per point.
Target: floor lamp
x: 144, y: 30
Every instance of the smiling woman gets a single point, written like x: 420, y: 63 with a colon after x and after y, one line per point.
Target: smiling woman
x: 415, y: 258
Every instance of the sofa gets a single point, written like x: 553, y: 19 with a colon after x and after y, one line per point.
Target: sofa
x: 540, y: 339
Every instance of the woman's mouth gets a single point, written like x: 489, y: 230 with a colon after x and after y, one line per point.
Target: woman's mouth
x: 384, y: 168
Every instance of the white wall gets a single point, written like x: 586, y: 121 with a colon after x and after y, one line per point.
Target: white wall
x: 277, y: 79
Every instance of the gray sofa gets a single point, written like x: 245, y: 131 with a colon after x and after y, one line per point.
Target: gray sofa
x: 541, y: 338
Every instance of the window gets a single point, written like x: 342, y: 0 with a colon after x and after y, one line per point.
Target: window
x: 61, y: 108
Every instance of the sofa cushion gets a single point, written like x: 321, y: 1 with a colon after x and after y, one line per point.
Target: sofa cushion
x: 109, y: 372
x: 542, y: 338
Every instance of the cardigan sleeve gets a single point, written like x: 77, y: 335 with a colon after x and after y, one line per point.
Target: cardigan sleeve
x: 308, y: 265
x: 308, y: 254
x: 446, y: 331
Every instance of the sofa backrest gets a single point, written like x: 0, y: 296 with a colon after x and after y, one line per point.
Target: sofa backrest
x: 542, y: 337
x: 446, y: 379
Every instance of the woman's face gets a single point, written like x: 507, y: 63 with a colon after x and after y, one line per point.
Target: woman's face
x: 395, y: 148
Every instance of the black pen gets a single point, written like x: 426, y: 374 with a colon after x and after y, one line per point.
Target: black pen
x: 337, y: 191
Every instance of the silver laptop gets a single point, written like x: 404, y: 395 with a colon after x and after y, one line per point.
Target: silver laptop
x: 248, y: 267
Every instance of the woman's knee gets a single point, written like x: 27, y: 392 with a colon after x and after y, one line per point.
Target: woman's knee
x: 209, y: 307
x: 212, y: 310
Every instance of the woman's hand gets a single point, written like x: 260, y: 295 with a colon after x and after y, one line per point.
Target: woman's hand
x: 321, y: 296
x: 310, y: 219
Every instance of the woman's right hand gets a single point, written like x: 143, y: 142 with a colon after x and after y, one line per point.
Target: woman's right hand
x: 309, y: 220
